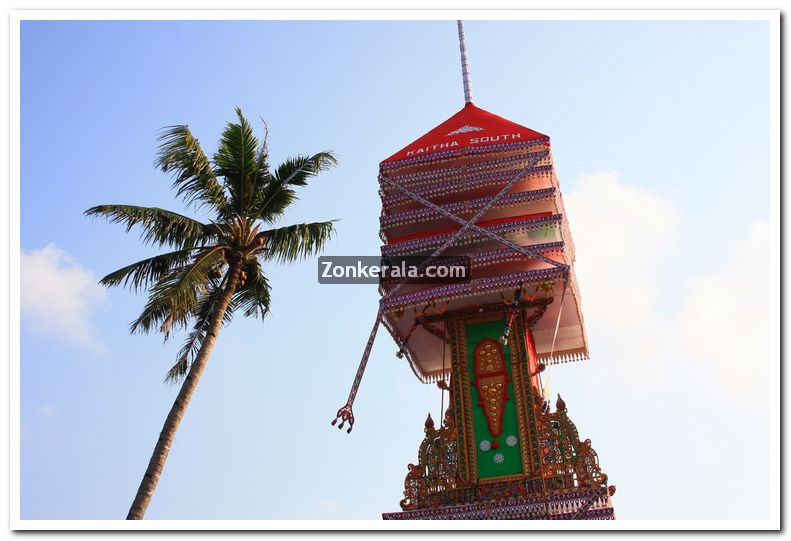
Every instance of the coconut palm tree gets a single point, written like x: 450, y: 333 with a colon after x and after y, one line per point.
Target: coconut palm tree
x: 212, y: 269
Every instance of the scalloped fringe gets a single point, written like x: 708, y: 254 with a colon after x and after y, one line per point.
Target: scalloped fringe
x: 566, y: 358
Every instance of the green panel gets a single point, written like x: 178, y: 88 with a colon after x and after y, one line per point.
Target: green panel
x: 489, y: 464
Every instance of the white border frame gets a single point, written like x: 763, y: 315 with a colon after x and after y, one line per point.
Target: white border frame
x: 16, y: 16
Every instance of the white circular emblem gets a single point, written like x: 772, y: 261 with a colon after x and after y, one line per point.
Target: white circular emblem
x: 511, y: 441
x: 485, y: 445
x: 498, y: 458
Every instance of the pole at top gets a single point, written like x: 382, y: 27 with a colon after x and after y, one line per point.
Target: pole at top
x: 465, y: 67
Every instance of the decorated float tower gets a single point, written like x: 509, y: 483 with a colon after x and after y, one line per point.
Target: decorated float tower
x: 484, y: 187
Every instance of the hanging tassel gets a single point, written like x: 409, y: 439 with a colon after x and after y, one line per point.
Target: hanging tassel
x: 345, y: 415
x: 511, y: 314
x: 441, y: 311
x: 405, y: 342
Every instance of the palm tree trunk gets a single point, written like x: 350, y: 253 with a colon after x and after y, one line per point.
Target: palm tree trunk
x: 157, y: 462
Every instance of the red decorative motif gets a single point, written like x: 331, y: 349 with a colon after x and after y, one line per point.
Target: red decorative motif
x: 491, y: 380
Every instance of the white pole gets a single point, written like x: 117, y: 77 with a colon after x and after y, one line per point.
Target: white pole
x: 465, y: 67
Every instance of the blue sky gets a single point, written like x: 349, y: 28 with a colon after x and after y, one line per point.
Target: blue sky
x: 660, y: 136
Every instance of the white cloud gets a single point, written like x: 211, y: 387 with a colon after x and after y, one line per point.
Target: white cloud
x: 724, y: 321
x: 717, y: 339
x: 58, y: 295
x: 621, y: 233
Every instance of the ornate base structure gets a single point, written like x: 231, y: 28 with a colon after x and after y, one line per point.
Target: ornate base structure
x: 593, y: 504
x: 501, y: 453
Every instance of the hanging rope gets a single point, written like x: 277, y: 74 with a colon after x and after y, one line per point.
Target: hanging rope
x: 345, y: 413
x: 441, y: 384
x: 546, y: 387
x: 560, y: 312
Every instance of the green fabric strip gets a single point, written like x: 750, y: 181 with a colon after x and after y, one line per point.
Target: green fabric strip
x: 507, y: 459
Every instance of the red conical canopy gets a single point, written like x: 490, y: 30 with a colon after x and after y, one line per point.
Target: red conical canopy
x: 470, y: 127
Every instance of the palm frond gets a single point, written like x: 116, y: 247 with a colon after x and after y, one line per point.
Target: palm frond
x: 237, y: 161
x: 159, y: 226
x: 254, y: 297
x: 148, y: 271
x: 262, y: 156
x: 272, y: 203
x: 173, y: 298
x: 295, y: 242
x: 263, y: 176
x: 202, y: 314
x: 276, y: 195
x: 296, y: 171
x: 180, y: 153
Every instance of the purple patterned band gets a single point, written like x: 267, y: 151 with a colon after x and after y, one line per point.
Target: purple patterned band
x: 460, y: 184
x: 449, y: 172
x: 439, y: 156
x: 471, y: 205
x: 426, y: 243
x: 481, y: 285
x: 507, y: 254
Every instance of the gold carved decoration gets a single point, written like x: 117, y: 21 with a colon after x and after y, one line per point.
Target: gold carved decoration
x: 436, y: 470
x: 491, y: 380
x: 565, y: 460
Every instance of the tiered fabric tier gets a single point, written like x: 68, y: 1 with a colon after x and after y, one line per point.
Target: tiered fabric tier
x: 460, y: 166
